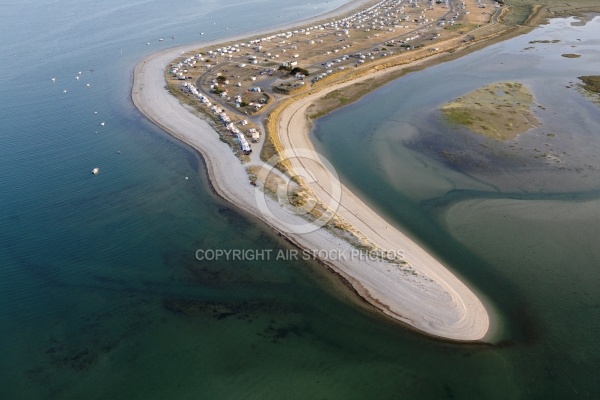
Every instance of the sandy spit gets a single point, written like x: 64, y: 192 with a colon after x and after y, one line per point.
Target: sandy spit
x: 427, y: 297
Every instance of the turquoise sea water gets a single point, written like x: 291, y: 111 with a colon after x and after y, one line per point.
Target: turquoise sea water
x: 101, y: 296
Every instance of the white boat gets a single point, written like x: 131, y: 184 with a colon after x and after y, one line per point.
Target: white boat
x: 96, y: 171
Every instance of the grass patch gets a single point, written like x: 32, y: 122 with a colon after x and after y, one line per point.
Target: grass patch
x: 519, y: 13
x: 459, y: 117
x: 591, y: 83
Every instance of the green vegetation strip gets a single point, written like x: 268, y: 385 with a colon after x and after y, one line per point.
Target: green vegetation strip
x: 591, y: 83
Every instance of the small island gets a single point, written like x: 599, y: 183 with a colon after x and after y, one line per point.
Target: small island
x: 500, y: 111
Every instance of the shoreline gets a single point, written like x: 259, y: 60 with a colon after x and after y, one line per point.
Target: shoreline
x: 433, y: 301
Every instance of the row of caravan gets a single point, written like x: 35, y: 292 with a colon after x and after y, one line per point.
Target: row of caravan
x: 224, y: 118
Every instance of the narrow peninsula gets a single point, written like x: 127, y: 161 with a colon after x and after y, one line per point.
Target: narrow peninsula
x: 245, y: 104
